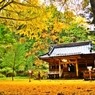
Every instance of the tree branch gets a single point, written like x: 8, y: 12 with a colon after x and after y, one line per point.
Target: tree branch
x: 12, y: 1
x: 16, y: 3
x: 25, y: 19
x: 2, y: 1
x: 92, y: 2
x: 28, y: 5
x: 8, y: 3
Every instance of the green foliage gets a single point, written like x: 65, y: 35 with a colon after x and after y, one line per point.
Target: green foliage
x: 12, y: 53
x: 17, y: 54
x: 30, y: 63
x: 79, y: 33
x: 15, y: 58
x: 75, y: 33
x: 5, y: 35
x: 2, y: 75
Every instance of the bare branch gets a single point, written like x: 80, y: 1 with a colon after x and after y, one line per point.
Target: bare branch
x: 63, y: 3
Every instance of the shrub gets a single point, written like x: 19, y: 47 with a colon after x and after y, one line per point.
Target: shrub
x: 2, y: 75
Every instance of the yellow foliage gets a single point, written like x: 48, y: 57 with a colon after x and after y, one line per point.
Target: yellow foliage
x: 28, y: 54
x: 24, y: 18
x: 79, y: 20
x: 30, y: 19
x: 58, y: 26
x: 53, y: 37
x: 84, y: 25
x: 68, y: 15
x: 44, y: 35
x: 38, y: 62
x: 93, y: 42
x: 22, y: 40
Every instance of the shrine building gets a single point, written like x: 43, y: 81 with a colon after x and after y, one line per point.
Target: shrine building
x: 69, y: 60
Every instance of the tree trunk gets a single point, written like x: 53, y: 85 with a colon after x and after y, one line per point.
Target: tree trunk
x: 13, y: 75
x: 92, y: 2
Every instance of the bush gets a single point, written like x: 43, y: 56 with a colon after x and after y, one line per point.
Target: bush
x: 40, y: 75
x: 7, y: 71
x: 1, y: 75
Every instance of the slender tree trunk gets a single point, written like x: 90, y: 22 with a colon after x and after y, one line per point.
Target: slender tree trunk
x: 13, y: 74
x: 92, y: 2
x: 13, y: 67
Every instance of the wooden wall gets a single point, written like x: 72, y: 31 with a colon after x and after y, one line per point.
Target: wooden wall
x: 79, y: 65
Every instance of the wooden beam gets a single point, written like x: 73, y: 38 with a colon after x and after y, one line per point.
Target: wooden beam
x: 77, y: 74
x: 69, y: 57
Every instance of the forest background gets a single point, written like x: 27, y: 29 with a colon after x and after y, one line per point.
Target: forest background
x: 29, y: 27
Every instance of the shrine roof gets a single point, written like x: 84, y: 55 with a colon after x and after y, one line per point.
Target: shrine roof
x: 75, y: 48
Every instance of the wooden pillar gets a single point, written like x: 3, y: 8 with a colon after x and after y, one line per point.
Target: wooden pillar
x: 77, y: 69
x: 94, y: 63
x: 59, y: 69
x: 86, y: 63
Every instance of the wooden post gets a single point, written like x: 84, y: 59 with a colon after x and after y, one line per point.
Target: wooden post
x: 77, y: 69
x: 59, y: 69
x: 90, y: 75
x: 30, y: 72
x: 90, y: 70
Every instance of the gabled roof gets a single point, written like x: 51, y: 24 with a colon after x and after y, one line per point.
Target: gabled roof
x: 69, y: 49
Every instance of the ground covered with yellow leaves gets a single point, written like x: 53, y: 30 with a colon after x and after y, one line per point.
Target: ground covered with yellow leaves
x: 47, y: 87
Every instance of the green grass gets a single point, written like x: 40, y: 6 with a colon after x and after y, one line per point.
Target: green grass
x: 15, y: 78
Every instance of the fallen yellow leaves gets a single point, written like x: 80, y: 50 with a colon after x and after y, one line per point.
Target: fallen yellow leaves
x: 47, y: 87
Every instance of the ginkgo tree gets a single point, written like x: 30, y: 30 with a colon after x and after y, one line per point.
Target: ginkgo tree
x: 20, y: 16
x: 36, y: 21
x: 29, y: 18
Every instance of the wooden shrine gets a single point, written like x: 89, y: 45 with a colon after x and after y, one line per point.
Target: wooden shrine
x: 69, y: 60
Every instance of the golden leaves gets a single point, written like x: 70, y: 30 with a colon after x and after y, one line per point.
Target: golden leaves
x: 68, y: 16
x: 54, y: 37
x: 33, y: 19
x: 79, y: 20
x: 22, y: 40
x: 58, y: 26
x: 38, y: 62
x: 46, y: 87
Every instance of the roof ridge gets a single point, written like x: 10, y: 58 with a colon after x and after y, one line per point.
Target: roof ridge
x: 72, y: 44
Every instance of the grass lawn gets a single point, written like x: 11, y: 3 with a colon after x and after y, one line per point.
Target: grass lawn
x: 46, y: 87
